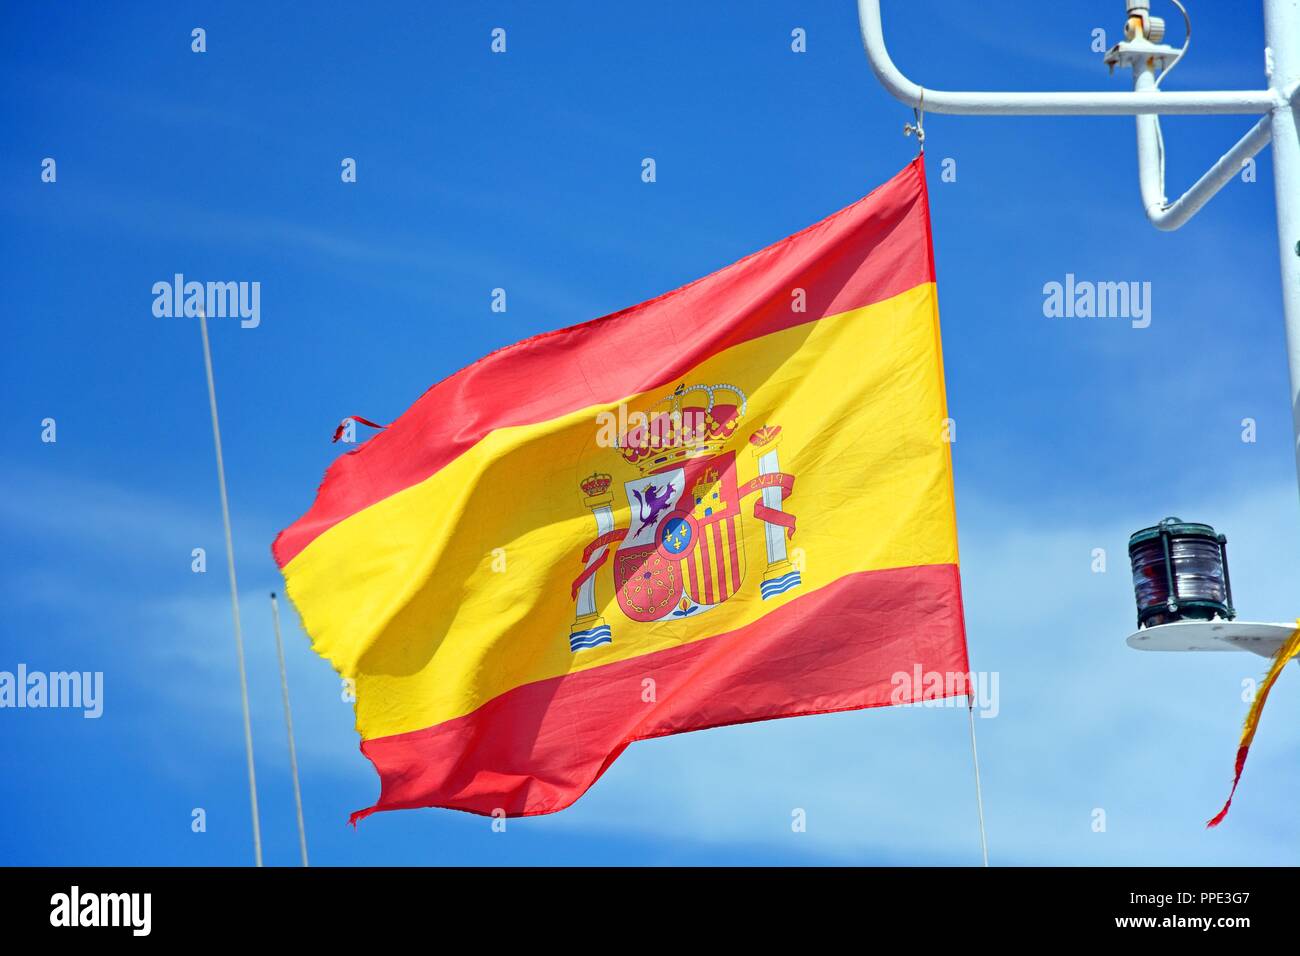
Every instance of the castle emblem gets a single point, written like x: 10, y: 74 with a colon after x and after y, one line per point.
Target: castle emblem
x: 683, y: 551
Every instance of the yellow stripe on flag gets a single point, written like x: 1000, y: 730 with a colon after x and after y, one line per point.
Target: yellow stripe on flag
x: 459, y: 586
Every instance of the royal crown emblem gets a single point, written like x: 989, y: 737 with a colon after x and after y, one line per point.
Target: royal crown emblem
x: 682, y: 552
x: 676, y: 429
x: 595, y: 486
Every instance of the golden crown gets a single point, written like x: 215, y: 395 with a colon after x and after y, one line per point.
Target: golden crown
x: 677, y: 429
x: 595, y: 485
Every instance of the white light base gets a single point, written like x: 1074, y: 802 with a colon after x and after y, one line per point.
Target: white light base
x: 1261, y: 639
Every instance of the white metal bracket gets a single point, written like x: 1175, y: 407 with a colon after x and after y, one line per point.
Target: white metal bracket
x: 1261, y: 639
x: 1046, y: 104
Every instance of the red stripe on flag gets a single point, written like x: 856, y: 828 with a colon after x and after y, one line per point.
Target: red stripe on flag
x: 732, y: 532
x: 537, y: 748
x: 868, y: 252
x: 720, y: 552
x: 706, y: 563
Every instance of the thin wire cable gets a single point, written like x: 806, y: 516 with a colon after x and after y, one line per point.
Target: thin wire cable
x: 1160, y: 136
x: 234, y: 591
x: 288, y: 722
x: 1187, y: 41
x: 979, y: 793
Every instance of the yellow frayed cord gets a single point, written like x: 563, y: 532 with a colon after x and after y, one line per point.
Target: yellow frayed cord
x: 1289, y: 649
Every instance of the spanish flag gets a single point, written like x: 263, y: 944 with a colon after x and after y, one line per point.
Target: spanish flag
x: 730, y: 503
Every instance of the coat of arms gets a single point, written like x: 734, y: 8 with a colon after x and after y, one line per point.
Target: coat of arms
x: 683, y: 551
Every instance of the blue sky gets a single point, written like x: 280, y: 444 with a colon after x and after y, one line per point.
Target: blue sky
x: 522, y: 171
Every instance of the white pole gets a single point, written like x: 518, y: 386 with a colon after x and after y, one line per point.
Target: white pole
x: 979, y: 793
x: 288, y: 722
x: 234, y: 591
x: 1282, y: 39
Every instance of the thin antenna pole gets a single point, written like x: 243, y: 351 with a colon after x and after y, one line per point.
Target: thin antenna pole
x: 979, y: 795
x: 288, y: 722
x: 234, y: 591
